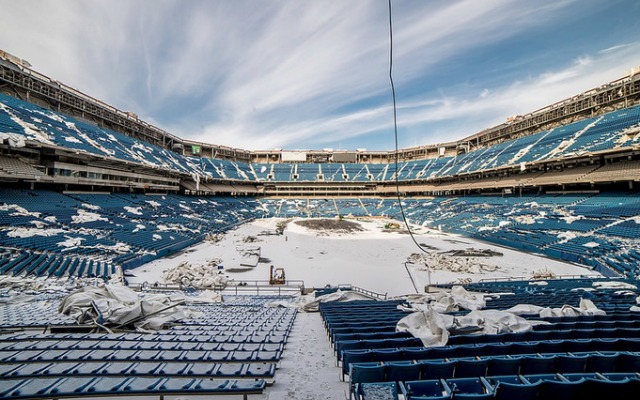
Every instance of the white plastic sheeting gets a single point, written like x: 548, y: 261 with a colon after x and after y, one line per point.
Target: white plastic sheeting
x: 119, y: 305
x: 434, y: 328
x: 310, y: 303
x: 458, y: 299
x: 586, y: 307
x: 428, y: 325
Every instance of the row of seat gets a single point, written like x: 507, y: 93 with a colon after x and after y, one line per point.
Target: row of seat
x: 71, y: 386
x: 169, y: 368
x: 488, y: 349
x: 524, y: 339
x: 34, y: 313
x: 202, y: 345
x: 150, y: 355
x: 525, y: 364
x: 577, y: 329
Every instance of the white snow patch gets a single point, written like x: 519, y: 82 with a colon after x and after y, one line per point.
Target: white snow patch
x: 120, y: 248
x: 90, y: 206
x: 71, y: 242
x: 19, y: 211
x: 23, y: 232
x: 156, y: 237
x: 133, y: 210
x: 138, y: 228
x: 72, y: 139
x: 566, y: 236
x: 591, y: 244
x: 571, y: 218
x: 85, y: 216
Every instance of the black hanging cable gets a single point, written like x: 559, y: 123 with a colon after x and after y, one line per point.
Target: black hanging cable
x: 395, y: 131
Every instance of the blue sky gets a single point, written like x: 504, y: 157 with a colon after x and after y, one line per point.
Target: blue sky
x: 314, y: 74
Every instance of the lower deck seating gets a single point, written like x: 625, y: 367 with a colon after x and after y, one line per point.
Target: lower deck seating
x: 229, y: 349
x: 569, y: 357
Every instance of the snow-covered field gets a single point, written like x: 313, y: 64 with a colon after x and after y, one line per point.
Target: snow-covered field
x: 373, y: 258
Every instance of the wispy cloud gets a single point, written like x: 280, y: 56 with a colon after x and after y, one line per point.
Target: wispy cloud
x: 615, y: 48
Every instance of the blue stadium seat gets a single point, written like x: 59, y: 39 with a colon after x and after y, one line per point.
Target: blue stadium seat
x: 437, y: 369
x: 434, y: 389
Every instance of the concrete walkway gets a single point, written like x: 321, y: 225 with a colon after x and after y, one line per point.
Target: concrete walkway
x: 307, y: 369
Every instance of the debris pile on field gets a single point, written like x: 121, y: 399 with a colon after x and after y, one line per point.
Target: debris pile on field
x: 543, y: 274
x: 214, y: 237
x: 437, y: 261
x: 196, y: 275
x: 330, y: 226
x: 472, y: 252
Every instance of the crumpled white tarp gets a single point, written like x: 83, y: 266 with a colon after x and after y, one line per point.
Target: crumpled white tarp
x: 310, y: 303
x: 493, y: 322
x: 119, y: 305
x: 525, y: 309
x: 196, y: 276
x: 586, y: 307
x: 428, y: 325
x: 443, y: 302
x: 434, y: 328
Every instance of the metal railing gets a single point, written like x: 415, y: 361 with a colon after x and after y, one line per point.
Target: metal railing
x: 249, y: 287
x: 525, y: 278
x: 369, y: 293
